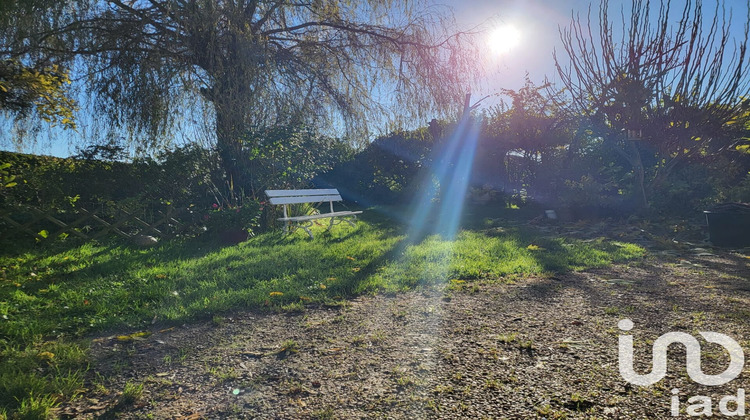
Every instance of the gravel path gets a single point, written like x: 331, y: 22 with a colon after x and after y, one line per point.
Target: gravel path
x: 536, y: 348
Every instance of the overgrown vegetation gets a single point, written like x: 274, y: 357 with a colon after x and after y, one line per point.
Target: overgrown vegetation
x: 533, y: 151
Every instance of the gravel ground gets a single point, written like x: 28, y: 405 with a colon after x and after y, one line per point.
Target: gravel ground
x: 541, y: 347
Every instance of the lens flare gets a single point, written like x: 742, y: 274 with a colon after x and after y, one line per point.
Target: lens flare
x: 504, y: 38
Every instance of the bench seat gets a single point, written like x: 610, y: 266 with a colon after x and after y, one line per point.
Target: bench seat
x: 287, y: 197
x: 318, y: 216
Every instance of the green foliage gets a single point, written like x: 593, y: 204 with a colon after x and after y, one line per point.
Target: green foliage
x: 277, y: 63
x: 131, y: 393
x: 184, y: 179
x: 53, y: 183
x: 679, y: 86
x: 739, y: 192
x: 226, y: 216
x: 77, y: 291
x: 33, y: 83
x: 36, y: 408
x: 289, y: 157
x: 35, y: 375
x: 388, y: 170
x: 182, y: 176
x: 520, y: 137
x: 7, y: 180
x: 592, y: 181
x: 44, y: 89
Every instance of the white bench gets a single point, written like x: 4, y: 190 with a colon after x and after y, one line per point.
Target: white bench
x: 287, y: 197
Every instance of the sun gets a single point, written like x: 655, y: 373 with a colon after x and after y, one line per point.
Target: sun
x: 504, y: 38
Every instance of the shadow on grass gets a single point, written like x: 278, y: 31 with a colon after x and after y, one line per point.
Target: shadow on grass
x: 116, y: 285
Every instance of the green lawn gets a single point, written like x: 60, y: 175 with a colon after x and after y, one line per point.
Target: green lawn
x: 53, y: 296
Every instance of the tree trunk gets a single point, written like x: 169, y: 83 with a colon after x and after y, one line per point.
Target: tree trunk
x: 229, y: 131
x: 632, y: 154
x: 640, y: 174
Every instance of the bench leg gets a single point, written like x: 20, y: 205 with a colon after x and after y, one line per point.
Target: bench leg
x: 354, y: 218
x: 306, y: 227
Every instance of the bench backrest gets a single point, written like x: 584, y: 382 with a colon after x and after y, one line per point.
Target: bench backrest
x: 303, y: 196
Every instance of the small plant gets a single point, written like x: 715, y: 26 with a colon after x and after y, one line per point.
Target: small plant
x: 227, y: 375
x: 548, y: 412
x: 182, y: 354
x: 378, y: 337
x: 131, y: 393
x: 611, y: 310
x: 433, y: 405
x: 289, y: 347
x: 34, y: 407
x: 294, y: 308
x: 324, y: 414
x: 544, y: 410
x: 578, y: 402
x: 527, y: 345
x: 296, y: 388
x: 443, y: 389
x: 399, y: 313
x: 404, y: 381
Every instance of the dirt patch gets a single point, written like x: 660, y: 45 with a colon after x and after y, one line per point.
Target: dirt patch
x: 537, y: 348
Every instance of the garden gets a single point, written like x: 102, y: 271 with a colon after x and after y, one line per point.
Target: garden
x: 377, y: 318
x: 526, y: 254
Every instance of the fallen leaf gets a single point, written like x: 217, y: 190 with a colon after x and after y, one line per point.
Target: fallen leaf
x: 140, y: 335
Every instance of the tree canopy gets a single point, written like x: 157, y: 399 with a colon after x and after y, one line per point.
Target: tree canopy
x: 259, y: 63
x: 31, y: 81
x: 673, y: 88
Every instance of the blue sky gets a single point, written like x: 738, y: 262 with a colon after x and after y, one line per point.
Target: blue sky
x: 536, y: 20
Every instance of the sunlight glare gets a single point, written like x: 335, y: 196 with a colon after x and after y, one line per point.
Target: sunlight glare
x: 504, y: 38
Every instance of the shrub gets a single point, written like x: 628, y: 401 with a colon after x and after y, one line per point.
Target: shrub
x: 227, y: 216
x: 387, y: 170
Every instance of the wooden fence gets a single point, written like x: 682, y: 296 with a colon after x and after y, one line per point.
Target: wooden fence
x: 94, y: 223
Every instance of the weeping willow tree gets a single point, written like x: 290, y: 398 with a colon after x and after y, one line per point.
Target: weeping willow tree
x: 34, y: 83
x: 673, y: 87
x: 332, y: 64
